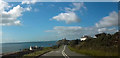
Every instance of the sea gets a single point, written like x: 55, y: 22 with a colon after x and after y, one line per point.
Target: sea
x: 15, y: 47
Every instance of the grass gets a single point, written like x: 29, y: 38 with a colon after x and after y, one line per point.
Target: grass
x: 93, y: 52
x: 38, y: 53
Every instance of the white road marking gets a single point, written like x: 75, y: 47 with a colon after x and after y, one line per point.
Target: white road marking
x: 63, y: 53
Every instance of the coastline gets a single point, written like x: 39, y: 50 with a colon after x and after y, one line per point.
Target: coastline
x: 10, y: 48
x: 20, y: 53
x: 27, y: 52
x: 9, y: 53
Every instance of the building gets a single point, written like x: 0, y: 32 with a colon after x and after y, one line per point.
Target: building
x: 83, y: 38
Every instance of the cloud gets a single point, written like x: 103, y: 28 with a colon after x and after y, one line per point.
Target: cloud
x: 109, y: 21
x: 74, y: 32
x: 11, y: 16
x: 101, y: 30
x: 67, y: 17
x: 76, y: 7
x: 70, y: 16
x: 29, y: 1
x: 28, y: 8
x: 107, y: 24
x: 3, y: 6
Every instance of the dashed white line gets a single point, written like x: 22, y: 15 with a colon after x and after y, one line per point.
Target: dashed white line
x: 63, y: 53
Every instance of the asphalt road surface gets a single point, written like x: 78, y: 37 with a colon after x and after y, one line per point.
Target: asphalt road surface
x: 63, y: 52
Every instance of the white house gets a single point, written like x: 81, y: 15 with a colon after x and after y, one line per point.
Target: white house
x: 94, y: 37
x: 83, y: 38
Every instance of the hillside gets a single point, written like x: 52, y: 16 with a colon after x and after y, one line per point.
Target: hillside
x: 103, y: 45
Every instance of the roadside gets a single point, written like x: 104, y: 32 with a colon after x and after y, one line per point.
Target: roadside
x: 57, y: 53
x: 41, y: 52
x: 30, y: 53
x: 90, y: 52
x: 38, y: 53
x: 63, y: 52
x: 72, y: 53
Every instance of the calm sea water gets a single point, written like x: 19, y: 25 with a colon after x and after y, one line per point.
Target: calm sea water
x: 14, y: 47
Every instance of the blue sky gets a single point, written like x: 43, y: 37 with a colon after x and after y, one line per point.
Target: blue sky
x: 43, y: 21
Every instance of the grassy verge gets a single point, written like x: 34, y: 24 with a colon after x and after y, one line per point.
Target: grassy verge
x: 38, y: 53
x: 93, y: 52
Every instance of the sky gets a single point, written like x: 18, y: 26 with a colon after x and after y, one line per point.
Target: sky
x: 46, y: 21
x: 66, y: 0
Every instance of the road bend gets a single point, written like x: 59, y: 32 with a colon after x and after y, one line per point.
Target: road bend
x: 63, y: 52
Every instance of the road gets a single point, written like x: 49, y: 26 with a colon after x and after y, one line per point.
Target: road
x: 63, y: 52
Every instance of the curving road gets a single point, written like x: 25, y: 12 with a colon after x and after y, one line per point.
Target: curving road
x: 63, y: 52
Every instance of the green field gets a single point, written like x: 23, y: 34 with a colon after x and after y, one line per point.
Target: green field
x: 93, y: 52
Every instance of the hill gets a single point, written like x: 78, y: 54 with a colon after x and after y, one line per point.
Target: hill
x: 103, y: 45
